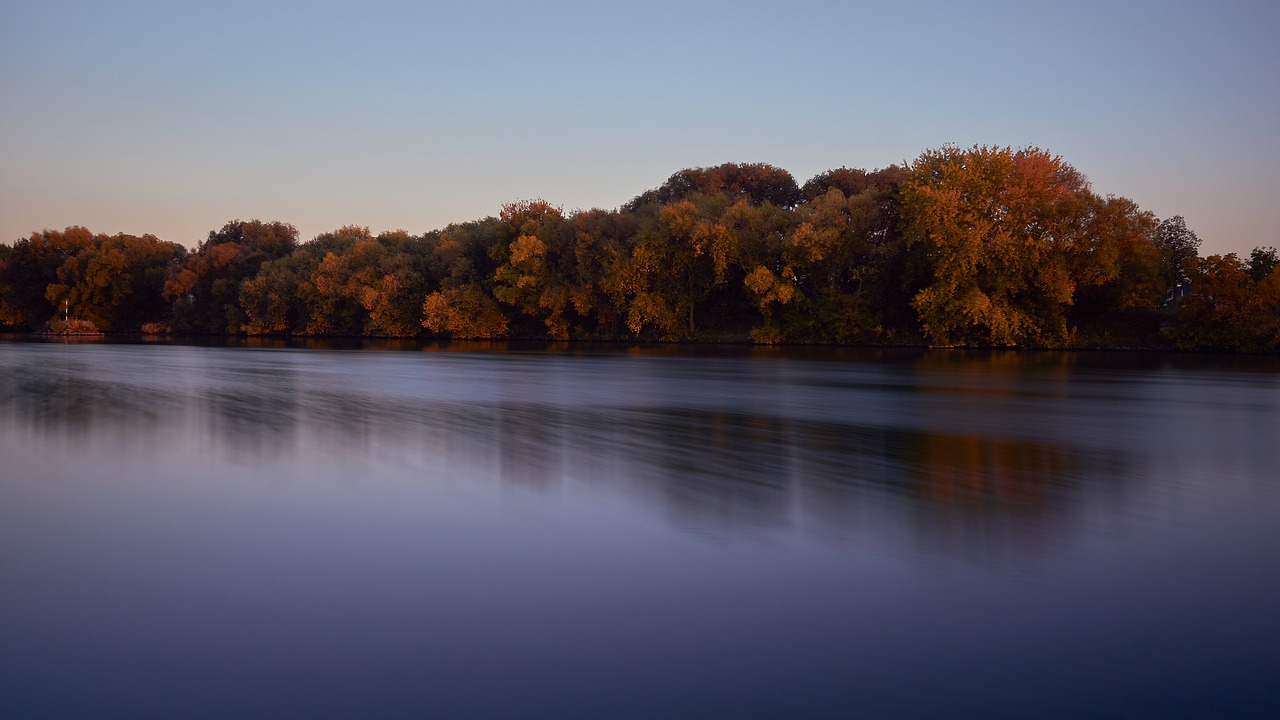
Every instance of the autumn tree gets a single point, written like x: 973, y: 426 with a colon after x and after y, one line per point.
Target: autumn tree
x: 1117, y: 273
x: 677, y: 259
x: 6, y: 261
x: 999, y: 228
x: 464, y: 305
x: 117, y: 281
x: 275, y: 300
x: 29, y: 268
x: 602, y: 242
x: 463, y: 312
x: 112, y: 281
x: 282, y: 296
x: 837, y: 269
x: 755, y: 182
x: 536, y: 268
x: 367, y: 285
x: 752, y: 280
x: 980, y: 246
x: 850, y: 181
x: 206, y: 290
x: 1228, y: 309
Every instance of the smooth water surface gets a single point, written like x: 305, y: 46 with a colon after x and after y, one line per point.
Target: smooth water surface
x: 600, y: 533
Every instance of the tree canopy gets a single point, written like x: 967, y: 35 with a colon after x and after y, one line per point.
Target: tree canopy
x: 983, y: 246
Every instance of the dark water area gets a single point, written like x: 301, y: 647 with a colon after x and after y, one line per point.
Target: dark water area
x: 333, y: 530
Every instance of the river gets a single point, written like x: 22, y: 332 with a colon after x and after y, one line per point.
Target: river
x: 282, y: 530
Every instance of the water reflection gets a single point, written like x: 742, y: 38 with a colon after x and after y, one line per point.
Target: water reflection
x: 956, y: 451
x: 274, y: 530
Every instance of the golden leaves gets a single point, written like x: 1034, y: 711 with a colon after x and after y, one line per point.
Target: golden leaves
x: 526, y: 247
x: 1000, y: 229
x: 463, y: 312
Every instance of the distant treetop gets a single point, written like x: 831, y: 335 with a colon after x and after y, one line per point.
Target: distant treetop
x: 757, y: 182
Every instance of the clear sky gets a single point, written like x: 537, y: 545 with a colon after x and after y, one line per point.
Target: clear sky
x: 173, y: 118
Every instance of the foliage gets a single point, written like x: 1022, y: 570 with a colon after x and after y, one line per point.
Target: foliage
x: 71, y: 327
x: 113, y: 281
x: 1229, y: 309
x: 755, y: 182
x: 1006, y: 234
x: 1263, y: 261
x: 1178, y: 248
x: 463, y: 312
x: 536, y: 273
x: 980, y: 246
x: 206, y: 290
x: 851, y: 181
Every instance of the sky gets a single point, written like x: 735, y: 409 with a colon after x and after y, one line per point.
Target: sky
x: 174, y: 118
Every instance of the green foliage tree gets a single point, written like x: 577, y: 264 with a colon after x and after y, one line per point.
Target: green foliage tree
x: 1263, y: 261
x: 755, y: 182
x: 1178, y: 247
x: 835, y: 272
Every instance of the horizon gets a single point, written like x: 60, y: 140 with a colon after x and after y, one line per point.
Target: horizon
x: 142, y: 118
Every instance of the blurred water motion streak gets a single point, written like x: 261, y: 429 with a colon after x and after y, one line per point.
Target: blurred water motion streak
x: 275, y: 529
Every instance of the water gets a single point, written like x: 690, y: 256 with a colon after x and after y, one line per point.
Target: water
x: 297, y: 532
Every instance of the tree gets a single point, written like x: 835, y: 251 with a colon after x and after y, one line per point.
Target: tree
x: 999, y: 229
x: 679, y: 256
x: 853, y: 182
x: 849, y: 181
x: 1228, y: 309
x: 463, y: 312
x: 367, y: 285
x: 273, y: 300
x: 843, y: 256
x: 206, y: 290
x: 756, y: 182
x: 1178, y: 247
x: 112, y: 281
x: 461, y: 257
x: 1262, y: 263
x: 30, y: 267
x: 117, y: 282
x: 537, y: 267
x: 602, y: 241
x: 1117, y: 271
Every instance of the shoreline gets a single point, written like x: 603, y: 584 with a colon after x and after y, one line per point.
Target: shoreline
x: 533, y: 341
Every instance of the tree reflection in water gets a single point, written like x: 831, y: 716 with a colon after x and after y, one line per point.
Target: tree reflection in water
x: 906, y: 445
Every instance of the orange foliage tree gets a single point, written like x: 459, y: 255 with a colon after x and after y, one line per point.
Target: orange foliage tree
x: 999, y: 229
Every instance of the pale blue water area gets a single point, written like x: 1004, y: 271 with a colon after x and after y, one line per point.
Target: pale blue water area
x: 599, y: 532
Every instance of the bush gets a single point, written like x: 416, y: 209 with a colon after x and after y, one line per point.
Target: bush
x: 155, y: 328
x: 71, y: 327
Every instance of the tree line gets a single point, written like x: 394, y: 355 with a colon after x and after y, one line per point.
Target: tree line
x: 981, y: 246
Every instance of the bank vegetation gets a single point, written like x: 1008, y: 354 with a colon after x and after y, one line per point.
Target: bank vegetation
x: 982, y: 246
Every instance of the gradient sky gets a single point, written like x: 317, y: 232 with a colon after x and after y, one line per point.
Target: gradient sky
x: 172, y: 118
